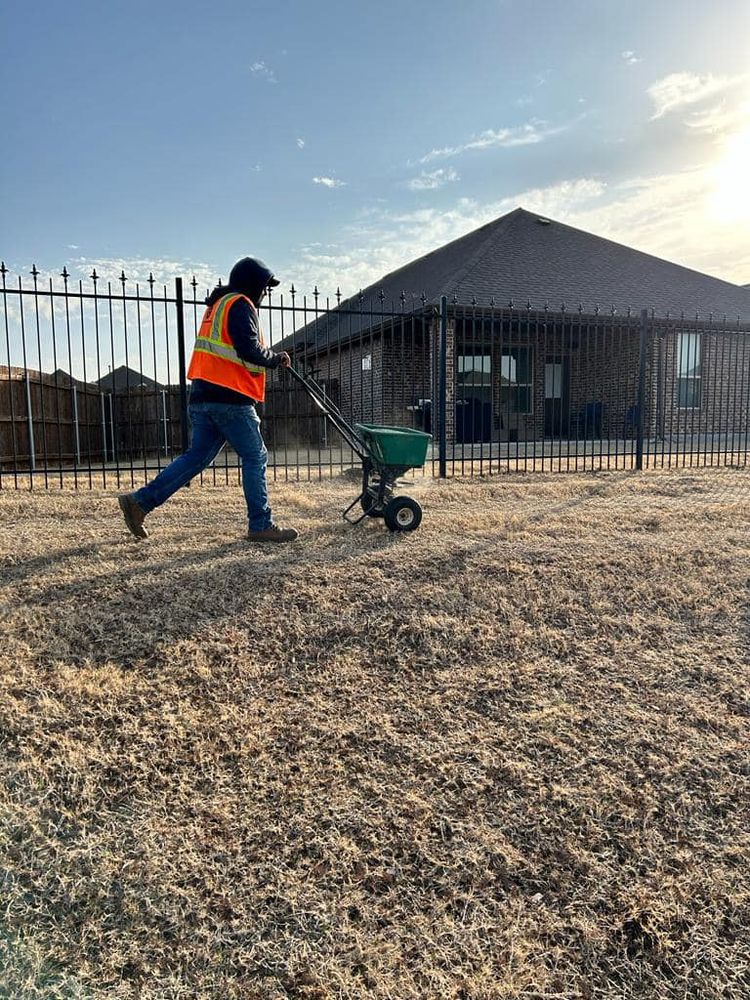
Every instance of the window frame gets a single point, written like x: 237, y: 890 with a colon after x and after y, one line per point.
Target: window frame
x: 507, y: 351
x: 696, y: 380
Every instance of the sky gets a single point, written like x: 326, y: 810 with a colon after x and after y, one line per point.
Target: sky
x: 340, y: 140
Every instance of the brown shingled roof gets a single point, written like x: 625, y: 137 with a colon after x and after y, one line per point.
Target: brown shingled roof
x: 524, y: 257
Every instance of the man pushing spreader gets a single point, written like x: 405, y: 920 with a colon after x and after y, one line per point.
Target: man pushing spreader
x: 228, y: 376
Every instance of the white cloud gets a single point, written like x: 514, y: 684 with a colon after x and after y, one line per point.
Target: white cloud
x: 719, y: 119
x: 532, y: 132
x: 137, y: 269
x: 301, y: 143
x: 329, y: 182
x: 262, y: 71
x: 647, y: 213
x: 679, y: 90
x: 382, y: 240
x: 630, y: 57
x: 434, y: 179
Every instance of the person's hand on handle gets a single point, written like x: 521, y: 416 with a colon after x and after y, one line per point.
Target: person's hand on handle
x: 286, y: 361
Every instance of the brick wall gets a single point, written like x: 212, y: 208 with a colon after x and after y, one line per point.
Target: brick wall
x: 602, y: 356
x: 360, y: 389
x: 725, y: 384
x: 407, y: 374
x: 601, y: 361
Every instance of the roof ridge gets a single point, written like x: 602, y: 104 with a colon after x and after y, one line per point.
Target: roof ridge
x: 631, y: 249
x: 439, y: 250
x: 494, y: 227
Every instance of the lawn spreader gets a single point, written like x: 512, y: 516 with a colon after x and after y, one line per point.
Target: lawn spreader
x: 386, y: 453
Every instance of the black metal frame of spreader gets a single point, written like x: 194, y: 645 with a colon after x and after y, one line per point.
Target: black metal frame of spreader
x: 385, y: 476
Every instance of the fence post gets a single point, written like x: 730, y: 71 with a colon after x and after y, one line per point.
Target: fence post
x: 164, y: 419
x: 182, y: 362
x: 75, y: 425
x: 104, y: 429
x: 112, y: 431
x: 641, y: 391
x: 30, y: 416
x: 442, y: 380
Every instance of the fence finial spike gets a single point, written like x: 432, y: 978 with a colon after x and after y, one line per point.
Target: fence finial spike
x: 123, y: 279
x: 94, y: 276
x: 151, y: 278
x: 33, y: 272
x: 3, y: 268
x: 423, y: 298
x: 64, y: 273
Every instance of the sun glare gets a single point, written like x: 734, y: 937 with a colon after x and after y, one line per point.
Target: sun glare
x: 730, y: 195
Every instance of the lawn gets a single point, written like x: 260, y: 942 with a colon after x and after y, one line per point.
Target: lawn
x: 506, y: 756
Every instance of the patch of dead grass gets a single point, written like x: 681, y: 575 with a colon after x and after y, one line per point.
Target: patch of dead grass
x: 503, y: 757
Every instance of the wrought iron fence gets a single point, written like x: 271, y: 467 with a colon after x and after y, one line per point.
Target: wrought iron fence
x: 93, y: 387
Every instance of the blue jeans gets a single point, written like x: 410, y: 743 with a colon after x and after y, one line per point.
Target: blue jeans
x: 214, y: 424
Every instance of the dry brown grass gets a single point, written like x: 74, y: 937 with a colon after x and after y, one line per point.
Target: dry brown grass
x: 504, y: 757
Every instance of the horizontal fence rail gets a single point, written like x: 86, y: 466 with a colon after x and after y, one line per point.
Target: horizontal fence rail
x: 93, y: 386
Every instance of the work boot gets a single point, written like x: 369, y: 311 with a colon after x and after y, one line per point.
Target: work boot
x: 273, y: 533
x: 134, y: 515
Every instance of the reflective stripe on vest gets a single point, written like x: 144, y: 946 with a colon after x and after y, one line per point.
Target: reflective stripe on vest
x: 215, y: 358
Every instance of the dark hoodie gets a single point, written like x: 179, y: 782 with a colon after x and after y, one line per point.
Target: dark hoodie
x: 243, y: 331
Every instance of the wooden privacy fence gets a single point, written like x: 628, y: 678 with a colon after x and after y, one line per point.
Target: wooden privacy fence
x: 52, y: 421
x: 290, y: 419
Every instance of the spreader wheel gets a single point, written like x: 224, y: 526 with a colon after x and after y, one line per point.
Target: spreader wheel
x: 402, y: 514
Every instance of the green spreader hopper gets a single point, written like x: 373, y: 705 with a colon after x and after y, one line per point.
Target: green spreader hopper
x: 386, y: 454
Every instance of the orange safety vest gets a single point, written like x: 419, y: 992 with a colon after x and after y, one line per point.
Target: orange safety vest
x: 215, y: 359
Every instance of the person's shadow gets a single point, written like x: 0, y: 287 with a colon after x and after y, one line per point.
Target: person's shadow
x: 86, y: 612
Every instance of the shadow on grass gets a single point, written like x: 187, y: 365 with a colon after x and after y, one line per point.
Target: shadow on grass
x: 154, y: 598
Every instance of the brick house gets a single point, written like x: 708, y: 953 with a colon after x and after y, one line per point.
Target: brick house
x: 543, y: 340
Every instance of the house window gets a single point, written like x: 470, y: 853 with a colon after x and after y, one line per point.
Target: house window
x: 367, y: 363
x: 689, y: 371
x: 474, y: 369
x: 474, y: 377
x: 516, y: 380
